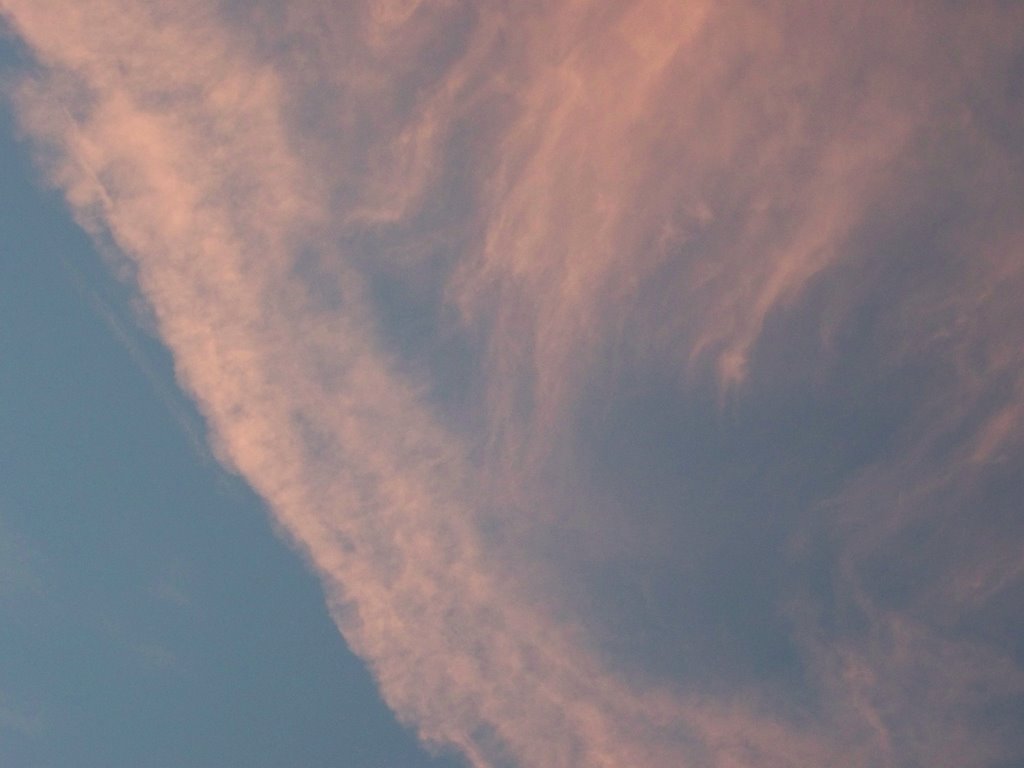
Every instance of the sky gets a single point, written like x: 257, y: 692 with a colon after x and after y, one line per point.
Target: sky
x: 434, y: 383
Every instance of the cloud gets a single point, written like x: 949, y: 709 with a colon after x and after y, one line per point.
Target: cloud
x: 505, y: 312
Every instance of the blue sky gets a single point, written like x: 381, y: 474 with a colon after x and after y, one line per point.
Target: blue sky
x: 151, y: 616
x: 581, y: 384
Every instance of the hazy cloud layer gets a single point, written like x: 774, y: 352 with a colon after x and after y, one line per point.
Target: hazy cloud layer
x: 645, y: 381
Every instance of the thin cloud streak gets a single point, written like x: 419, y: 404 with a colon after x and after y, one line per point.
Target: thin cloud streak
x: 581, y: 194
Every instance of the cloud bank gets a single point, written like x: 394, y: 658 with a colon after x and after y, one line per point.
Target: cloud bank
x: 644, y: 381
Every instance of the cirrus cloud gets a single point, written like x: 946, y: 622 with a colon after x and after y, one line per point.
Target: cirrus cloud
x: 643, y: 381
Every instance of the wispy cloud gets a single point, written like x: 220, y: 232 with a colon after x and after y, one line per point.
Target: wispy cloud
x: 727, y: 283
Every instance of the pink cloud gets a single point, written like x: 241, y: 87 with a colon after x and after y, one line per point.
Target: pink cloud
x: 595, y: 188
